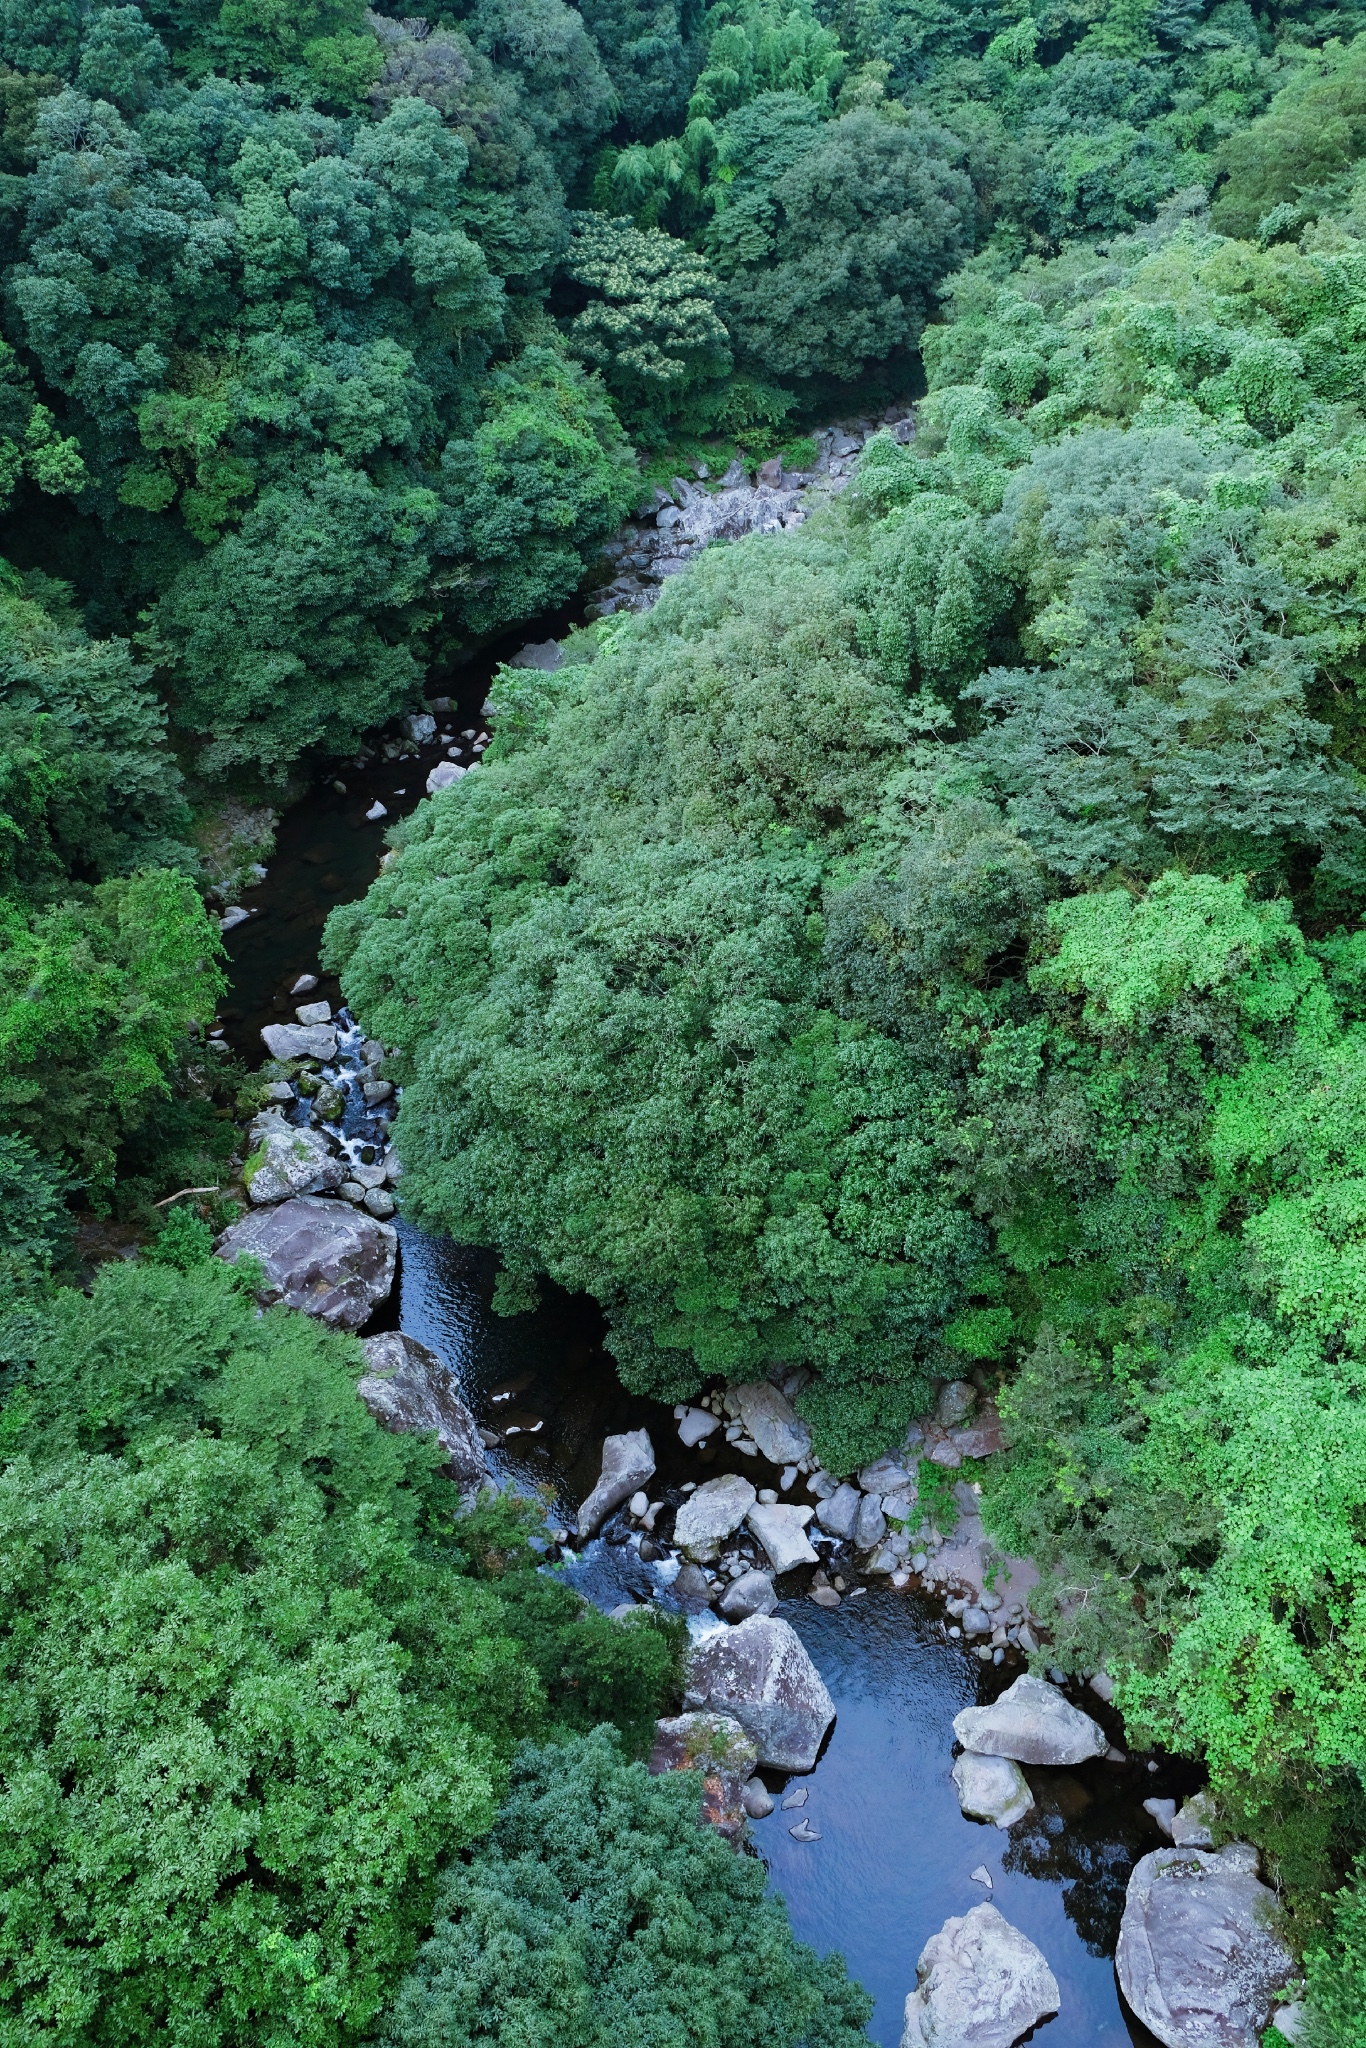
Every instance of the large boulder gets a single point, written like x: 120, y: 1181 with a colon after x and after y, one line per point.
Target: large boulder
x: 760, y: 1673
x: 980, y: 1984
x: 300, y: 1041
x: 406, y: 1387
x: 628, y: 1461
x: 718, y: 1747
x: 326, y: 1258
x: 839, y: 1512
x: 751, y: 1593
x: 1034, y: 1724
x: 1199, y: 1959
x: 782, y: 1531
x: 712, y: 1514
x: 288, y: 1159
x: 992, y: 1788
x: 770, y: 1419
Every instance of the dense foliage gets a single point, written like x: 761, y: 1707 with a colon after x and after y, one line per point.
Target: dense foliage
x: 598, y: 1914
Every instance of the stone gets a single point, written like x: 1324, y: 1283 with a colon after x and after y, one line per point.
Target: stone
x: 305, y: 985
x: 981, y: 1438
x: 278, y: 1091
x: 319, y: 1256
x: 824, y: 1596
x: 760, y: 1672
x: 980, y: 1984
x: 314, y: 1013
x: 376, y: 811
x: 627, y: 1462
x: 695, y: 1425
x: 767, y: 1496
x: 885, y: 1475
x: 711, y: 1514
x: 289, y: 1160
x: 418, y: 726
x: 379, y: 1202
x: 443, y: 775
x: 870, y: 1524
x: 992, y: 1788
x: 1102, y: 1685
x: 955, y: 1403
x: 751, y: 1593
x: 770, y: 473
x: 976, y: 1622
x: 1032, y: 1723
x: 902, y: 1506
x: 1191, y: 1827
x: 1199, y: 1960
x: 230, y: 919
x: 300, y: 1041
x: 546, y: 655
x: 981, y: 1875
x: 1163, y: 1812
x: 351, y: 1191
x: 406, y: 1387
x: 771, y: 1421
x: 718, y: 1747
x: 757, y: 1800
x: 796, y: 1799
x: 329, y: 1104
x: 375, y: 1092
x: 804, y: 1832
x: 837, y: 1514
x: 782, y: 1531
x: 1291, y: 2020
x: 691, y: 1588
x: 638, y: 1506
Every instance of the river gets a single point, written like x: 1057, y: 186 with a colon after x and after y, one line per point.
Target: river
x: 895, y: 1856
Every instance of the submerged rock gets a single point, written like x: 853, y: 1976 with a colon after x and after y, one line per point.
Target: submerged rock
x: 1032, y: 1723
x: 406, y: 1387
x: 628, y: 1461
x: 981, y: 1984
x: 718, y: 1747
x: 712, y: 1514
x: 992, y: 1788
x: 323, y: 1257
x: 289, y: 1160
x: 761, y: 1674
x: 1198, y: 1959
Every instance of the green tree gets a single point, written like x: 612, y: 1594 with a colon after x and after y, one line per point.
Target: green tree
x: 599, y: 1911
x: 651, y: 326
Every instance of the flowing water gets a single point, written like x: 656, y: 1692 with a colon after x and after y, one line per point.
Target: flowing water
x: 895, y: 1856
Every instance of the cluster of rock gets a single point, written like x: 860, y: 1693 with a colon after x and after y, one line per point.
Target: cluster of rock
x: 669, y: 533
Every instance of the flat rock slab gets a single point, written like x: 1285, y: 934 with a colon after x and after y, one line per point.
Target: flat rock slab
x: 718, y: 1747
x: 287, y: 1159
x: 710, y: 1515
x: 980, y: 1984
x: 326, y: 1258
x: 1199, y: 1959
x: 761, y: 1674
x: 992, y: 1788
x: 628, y: 1461
x: 782, y: 1531
x: 1033, y: 1723
x: 300, y: 1041
x: 770, y: 1419
x: 406, y: 1387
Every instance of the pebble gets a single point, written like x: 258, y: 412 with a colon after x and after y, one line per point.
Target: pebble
x: 639, y: 1506
x: 919, y: 1561
x: 797, y: 1798
x: 351, y: 1191
x: 767, y: 1496
x: 314, y: 1013
x: 789, y: 1478
x: 379, y: 1202
x: 756, y: 1799
x: 376, y: 810
x: 304, y: 985
x: 824, y: 1596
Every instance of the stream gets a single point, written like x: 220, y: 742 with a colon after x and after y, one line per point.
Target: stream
x: 895, y: 1856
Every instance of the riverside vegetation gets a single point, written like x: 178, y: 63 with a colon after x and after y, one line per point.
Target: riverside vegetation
x: 927, y: 942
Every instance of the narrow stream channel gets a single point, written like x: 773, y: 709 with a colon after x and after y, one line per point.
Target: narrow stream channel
x: 895, y: 1856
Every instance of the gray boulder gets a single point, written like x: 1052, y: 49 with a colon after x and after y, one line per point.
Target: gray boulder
x: 770, y: 1419
x: 443, y: 775
x: 980, y: 1984
x: 782, y: 1531
x: 838, y: 1514
x: 956, y: 1402
x: 761, y: 1674
x: 1199, y: 1959
x: 870, y: 1524
x: 300, y: 1041
x: 627, y: 1462
x: 751, y: 1593
x: 886, y: 1475
x: 695, y: 1425
x: 992, y: 1788
x: 1190, y: 1829
x: 718, y: 1747
x: 758, y: 1801
x: 325, y: 1258
x: 710, y: 1515
x: 289, y: 1160
x: 1032, y: 1723
x: 406, y: 1387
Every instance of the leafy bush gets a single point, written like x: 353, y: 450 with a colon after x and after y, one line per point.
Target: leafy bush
x: 599, y: 1911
